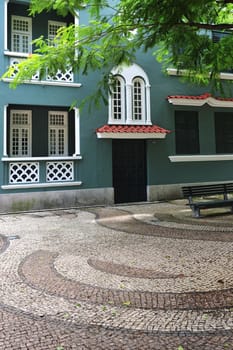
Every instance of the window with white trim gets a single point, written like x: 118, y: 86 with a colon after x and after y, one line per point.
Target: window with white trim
x: 138, y: 99
x: 20, y: 133
x: 53, y: 27
x: 58, y: 131
x: 118, y: 101
x: 21, y: 34
x: 129, y: 101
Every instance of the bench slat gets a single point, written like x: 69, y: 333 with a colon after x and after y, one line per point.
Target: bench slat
x: 208, y: 190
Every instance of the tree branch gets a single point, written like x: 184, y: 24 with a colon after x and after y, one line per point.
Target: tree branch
x: 219, y: 26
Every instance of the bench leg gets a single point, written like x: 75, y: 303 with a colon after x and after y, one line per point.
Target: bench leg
x: 196, y: 212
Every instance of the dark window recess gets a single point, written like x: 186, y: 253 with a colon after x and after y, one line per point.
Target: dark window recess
x: 216, y: 35
x: 187, y: 132
x: 224, y: 132
x: 39, y: 129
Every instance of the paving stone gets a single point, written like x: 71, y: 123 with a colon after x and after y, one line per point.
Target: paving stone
x: 125, y: 277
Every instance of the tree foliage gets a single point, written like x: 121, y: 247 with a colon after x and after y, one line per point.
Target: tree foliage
x: 179, y: 32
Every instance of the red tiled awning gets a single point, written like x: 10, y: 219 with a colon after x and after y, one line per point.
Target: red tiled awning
x: 200, y: 100
x: 131, y: 132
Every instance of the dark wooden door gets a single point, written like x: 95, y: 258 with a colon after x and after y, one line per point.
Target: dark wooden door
x: 129, y: 170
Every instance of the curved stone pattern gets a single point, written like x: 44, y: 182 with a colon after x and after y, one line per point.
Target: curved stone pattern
x: 54, y: 308
x: 25, y: 331
x: 127, y: 271
x: 46, y: 278
x: 122, y: 220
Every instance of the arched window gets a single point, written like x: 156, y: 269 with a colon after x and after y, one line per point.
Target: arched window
x: 117, y: 99
x: 129, y: 102
x: 138, y: 98
x: 117, y: 105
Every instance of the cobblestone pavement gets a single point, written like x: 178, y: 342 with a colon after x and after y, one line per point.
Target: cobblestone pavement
x: 140, y: 277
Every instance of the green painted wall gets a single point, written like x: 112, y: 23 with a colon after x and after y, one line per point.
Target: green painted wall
x: 95, y: 168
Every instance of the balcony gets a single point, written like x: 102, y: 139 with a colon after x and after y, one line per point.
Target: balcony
x: 41, y: 172
x: 60, y: 78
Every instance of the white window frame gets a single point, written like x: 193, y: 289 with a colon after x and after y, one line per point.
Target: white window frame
x: 57, y: 24
x: 57, y: 128
x: 139, y: 102
x: 21, y: 34
x: 21, y: 127
x: 117, y: 117
x: 131, y: 74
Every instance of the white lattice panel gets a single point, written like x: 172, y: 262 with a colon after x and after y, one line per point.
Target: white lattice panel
x: 23, y: 172
x: 66, y: 76
x: 14, y: 64
x: 59, y: 171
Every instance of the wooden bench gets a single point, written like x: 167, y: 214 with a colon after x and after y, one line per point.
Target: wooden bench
x: 190, y: 192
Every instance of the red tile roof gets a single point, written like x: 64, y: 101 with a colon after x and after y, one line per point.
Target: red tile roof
x: 200, y: 97
x: 132, y: 129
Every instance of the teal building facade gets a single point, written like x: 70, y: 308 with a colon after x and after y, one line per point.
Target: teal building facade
x: 155, y: 135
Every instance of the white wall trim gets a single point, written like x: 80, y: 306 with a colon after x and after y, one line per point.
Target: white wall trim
x: 130, y: 135
x: 5, y: 131
x: 5, y: 24
x: 45, y: 82
x: 32, y: 159
x: 41, y: 185
x: 201, y: 158
x: 198, y: 102
x: 182, y: 72
x: 77, y: 131
x: 16, y: 54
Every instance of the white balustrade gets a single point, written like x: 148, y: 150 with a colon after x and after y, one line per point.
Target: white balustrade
x: 23, y: 172
x: 65, y: 77
x: 59, y: 171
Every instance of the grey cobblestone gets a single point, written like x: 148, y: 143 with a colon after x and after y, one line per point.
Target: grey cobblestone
x: 125, y: 280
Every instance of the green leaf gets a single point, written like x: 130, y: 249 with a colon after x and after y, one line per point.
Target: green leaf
x: 126, y: 303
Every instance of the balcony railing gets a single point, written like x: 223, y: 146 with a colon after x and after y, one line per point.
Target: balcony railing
x: 63, y: 77
x: 35, y: 172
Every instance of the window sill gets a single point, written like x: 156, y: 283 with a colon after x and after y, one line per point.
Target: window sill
x: 16, y: 54
x: 129, y: 122
x: 182, y: 72
x: 31, y: 159
x: 201, y: 158
x: 45, y: 82
x: 41, y: 185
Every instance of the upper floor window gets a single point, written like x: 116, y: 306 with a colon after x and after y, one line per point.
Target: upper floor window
x: 53, y: 27
x: 187, y: 132
x: 21, y: 34
x: 224, y: 132
x: 130, y: 96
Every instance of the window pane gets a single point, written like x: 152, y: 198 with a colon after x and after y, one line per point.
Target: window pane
x: 187, y: 132
x: 61, y: 141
